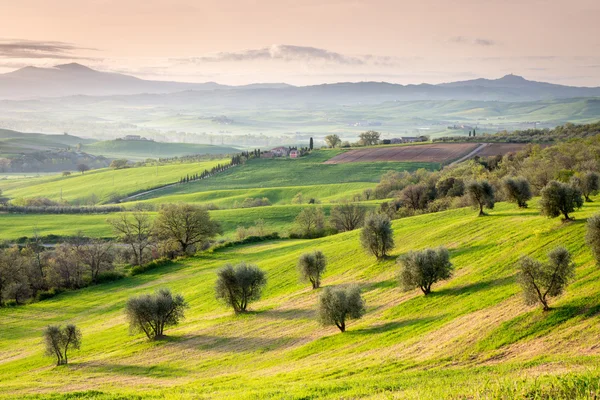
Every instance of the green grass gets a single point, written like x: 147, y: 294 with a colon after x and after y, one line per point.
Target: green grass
x: 102, y: 183
x: 134, y: 150
x: 472, y: 338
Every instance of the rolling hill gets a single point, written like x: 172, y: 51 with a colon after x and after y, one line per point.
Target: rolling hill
x: 143, y: 149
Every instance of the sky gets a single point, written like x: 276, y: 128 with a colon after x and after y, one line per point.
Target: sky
x: 307, y: 42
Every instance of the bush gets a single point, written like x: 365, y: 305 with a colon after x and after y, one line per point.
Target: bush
x: 311, y: 266
x: 152, y: 313
x: 377, y: 236
x: 239, y: 285
x: 339, y: 304
x: 109, y: 276
x: 421, y: 269
x: 159, y: 262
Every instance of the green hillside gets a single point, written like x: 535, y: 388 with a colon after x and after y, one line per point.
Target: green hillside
x: 13, y: 142
x: 143, y: 149
x: 472, y: 338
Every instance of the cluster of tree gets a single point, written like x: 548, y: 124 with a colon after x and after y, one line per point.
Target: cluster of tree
x: 51, y: 161
x: 206, y: 173
x: 369, y: 138
x: 250, y: 202
x: 257, y: 230
x: 299, y: 198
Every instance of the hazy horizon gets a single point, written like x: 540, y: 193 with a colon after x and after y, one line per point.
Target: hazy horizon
x: 242, y: 42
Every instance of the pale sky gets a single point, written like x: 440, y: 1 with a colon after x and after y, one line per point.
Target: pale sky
x: 309, y: 41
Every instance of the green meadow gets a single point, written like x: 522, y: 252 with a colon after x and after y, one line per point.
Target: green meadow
x: 472, y: 338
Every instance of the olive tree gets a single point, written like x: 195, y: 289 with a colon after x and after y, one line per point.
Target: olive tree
x: 239, y: 285
x: 517, y: 190
x: 185, y: 224
x: 541, y: 281
x: 592, y: 236
x: 311, y: 266
x: 151, y: 313
x: 59, y: 340
x: 347, y: 216
x: 481, y: 194
x: 377, y: 235
x: 588, y: 184
x: 421, y: 269
x: 560, y: 198
x: 339, y: 304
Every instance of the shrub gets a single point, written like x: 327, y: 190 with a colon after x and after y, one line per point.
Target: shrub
x: 58, y: 341
x: 421, y: 269
x: 559, y: 198
x: 152, y: 313
x: 339, y: 304
x: 159, y: 262
x: 239, y: 285
x: 48, y: 294
x: 377, y: 236
x: 541, y: 281
x: 109, y: 276
x: 311, y: 266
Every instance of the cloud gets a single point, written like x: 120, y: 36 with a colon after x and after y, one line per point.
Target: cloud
x: 38, y: 49
x: 473, y: 41
x: 285, y: 52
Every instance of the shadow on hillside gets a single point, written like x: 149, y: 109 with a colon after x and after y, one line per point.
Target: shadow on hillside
x: 228, y: 344
x: 512, y: 213
x: 393, y: 325
x: 387, y: 284
x: 459, y: 251
x: 160, y: 371
x: 472, y: 287
x: 287, y: 314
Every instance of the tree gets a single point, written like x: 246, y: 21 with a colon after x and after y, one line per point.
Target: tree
x: 369, y: 138
x: 421, y: 269
x: 560, y: 198
x: 82, y: 168
x: 134, y: 230
x: 97, y: 256
x: 310, y: 144
x: 339, y: 304
x: 311, y: 266
x: 333, y: 140
x: 347, y: 216
x: 588, y: 184
x: 239, y: 285
x: 58, y: 341
x: 119, y: 163
x: 592, y: 236
x: 415, y: 197
x: 377, y: 236
x: 186, y: 224
x: 66, y: 268
x: 481, y: 194
x: 368, y: 193
x: 152, y: 313
x: 12, y: 273
x: 517, y: 190
x: 66, y: 173
x: 541, y: 281
x: 311, y: 221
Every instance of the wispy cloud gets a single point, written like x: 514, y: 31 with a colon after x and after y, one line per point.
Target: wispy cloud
x: 473, y: 41
x: 289, y: 53
x: 11, y: 48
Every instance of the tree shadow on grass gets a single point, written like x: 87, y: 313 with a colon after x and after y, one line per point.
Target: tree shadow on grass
x: 528, y: 213
x: 394, y: 325
x: 236, y: 344
x: 472, y: 287
x: 289, y: 314
x: 155, y: 371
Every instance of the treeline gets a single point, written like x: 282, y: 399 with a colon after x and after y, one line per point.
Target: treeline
x: 555, y: 135
x: 237, y: 159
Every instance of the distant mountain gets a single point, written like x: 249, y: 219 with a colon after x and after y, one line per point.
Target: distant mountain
x: 76, y: 79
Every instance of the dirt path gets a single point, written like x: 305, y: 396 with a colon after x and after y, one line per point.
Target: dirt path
x: 471, y: 154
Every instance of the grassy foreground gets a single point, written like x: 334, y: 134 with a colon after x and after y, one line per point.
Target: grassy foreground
x: 472, y: 338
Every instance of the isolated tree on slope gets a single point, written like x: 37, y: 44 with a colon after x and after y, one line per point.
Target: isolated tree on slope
x: 377, y: 236
x: 560, y: 198
x: 152, y: 313
x: 311, y: 266
x: 541, y: 281
x: 59, y: 340
x: 592, y: 236
x: 421, y: 269
x: 339, y: 304
x: 517, y: 190
x: 237, y: 286
x: 369, y: 138
x: 588, y: 184
x: 82, y: 168
x: 333, y: 141
x: 481, y: 194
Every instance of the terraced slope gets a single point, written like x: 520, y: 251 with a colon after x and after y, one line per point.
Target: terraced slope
x: 472, y: 338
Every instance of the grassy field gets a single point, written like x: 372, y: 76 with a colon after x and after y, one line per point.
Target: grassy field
x: 136, y: 150
x: 103, y: 183
x: 472, y: 338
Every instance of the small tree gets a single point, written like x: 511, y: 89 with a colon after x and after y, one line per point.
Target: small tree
x: 186, y: 224
x: 311, y: 221
x: 58, y: 341
x: 239, y: 285
x: 134, y: 230
x: 369, y: 138
x: 339, y: 304
x: 421, y: 269
x: 333, y: 141
x: 592, y: 236
x: 377, y: 236
x: 311, y: 266
x: 517, y: 190
x: 82, y: 168
x: 559, y: 198
x: 152, y: 313
x: 348, y: 216
x: 588, y: 184
x: 119, y: 163
x: 310, y: 144
x: 541, y: 281
x: 481, y: 194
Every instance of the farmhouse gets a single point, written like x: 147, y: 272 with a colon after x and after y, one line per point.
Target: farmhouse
x: 280, y: 151
x: 135, y: 138
x: 294, y: 154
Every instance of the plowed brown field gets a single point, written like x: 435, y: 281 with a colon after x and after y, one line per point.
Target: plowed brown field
x: 438, y: 152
